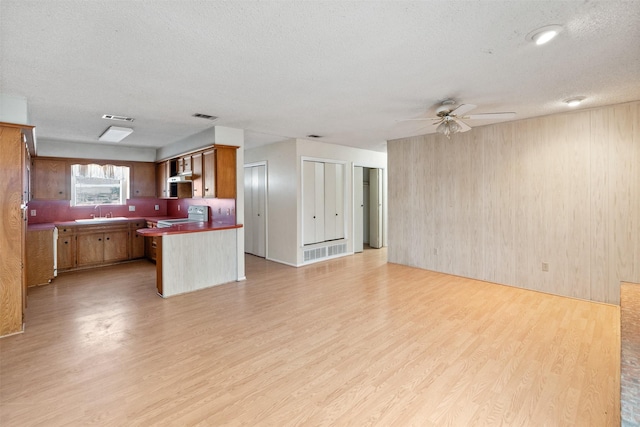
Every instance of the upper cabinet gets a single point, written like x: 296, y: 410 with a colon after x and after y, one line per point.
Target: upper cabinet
x: 143, y: 180
x: 50, y: 179
x: 225, y: 157
x: 196, y: 173
x: 213, y: 172
x: 162, y: 174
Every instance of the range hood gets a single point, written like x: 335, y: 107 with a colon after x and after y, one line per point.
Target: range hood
x: 181, y: 177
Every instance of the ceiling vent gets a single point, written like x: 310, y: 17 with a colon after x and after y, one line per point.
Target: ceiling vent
x: 204, y: 116
x: 314, y: 136
x: 114, y: 117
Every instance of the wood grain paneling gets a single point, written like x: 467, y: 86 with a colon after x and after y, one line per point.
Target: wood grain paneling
x: 497, y: 202
x: 12, y: 233
x: 39, y: 257
x: 193, y: 261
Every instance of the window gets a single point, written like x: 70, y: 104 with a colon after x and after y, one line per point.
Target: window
x: 99, y: 185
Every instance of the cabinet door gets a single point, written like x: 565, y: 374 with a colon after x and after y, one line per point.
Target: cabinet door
x: 90, y: 248
x: 196, y: 169
x: 116, y: 246
x: 66, y: 252
x: 225, y: 172
x: 143, y: 180
x: 186, y: 163
x: 162, y: 174
x: 51, y: 179
x: 136, y: 241
x: 39, y: 257
x: 209, y: 173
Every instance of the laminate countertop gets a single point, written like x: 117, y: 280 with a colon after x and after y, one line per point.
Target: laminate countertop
x: 188, y: 227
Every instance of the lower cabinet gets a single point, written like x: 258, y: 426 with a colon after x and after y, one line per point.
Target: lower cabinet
x: 136, y: 249
x: 106, y: 244
x: 39, y: 257
x: 66, y: 248
x: 92, y: 245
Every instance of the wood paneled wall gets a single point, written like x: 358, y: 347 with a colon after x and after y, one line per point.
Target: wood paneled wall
x: 497, y: 202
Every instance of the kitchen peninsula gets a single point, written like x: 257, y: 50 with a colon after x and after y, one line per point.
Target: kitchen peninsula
x: 194, y: 256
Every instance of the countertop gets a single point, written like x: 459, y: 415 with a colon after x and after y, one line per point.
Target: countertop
x: 72, y: 223
x: 188, y: 227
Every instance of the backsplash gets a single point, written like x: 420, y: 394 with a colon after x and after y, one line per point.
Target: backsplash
x: 47, y: 211
x: 60, y: 210
x: 221, y: 210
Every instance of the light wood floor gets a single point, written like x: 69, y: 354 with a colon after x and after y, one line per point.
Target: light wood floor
x: 353, y: 341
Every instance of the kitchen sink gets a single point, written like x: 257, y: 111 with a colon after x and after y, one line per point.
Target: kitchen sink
x: 102, y: 219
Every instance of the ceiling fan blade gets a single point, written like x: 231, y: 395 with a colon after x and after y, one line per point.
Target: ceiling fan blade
x: 463, y: 108
x: 463, y: 126
x: 490, y: 116
x: 425, y: 118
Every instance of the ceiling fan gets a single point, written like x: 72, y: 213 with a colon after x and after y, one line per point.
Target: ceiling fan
x: 449, y: 119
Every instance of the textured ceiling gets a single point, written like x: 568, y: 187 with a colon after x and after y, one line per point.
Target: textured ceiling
x: 348, y: 71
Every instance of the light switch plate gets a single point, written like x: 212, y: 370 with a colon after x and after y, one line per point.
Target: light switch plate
x: 157, y: 207
x: 132, y: 208
x: 33, y: 212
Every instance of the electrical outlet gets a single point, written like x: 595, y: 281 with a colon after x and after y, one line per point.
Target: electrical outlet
x: 228, y: 211
x: 219, y: 210
x: 157, y: 207
x: 178, y: 208
x: 33, y: 212
x: 435, y: 251
x: 132, y: 208
x: 545, y: 266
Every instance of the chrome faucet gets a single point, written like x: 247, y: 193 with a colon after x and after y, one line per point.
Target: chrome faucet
x: 99, y: 207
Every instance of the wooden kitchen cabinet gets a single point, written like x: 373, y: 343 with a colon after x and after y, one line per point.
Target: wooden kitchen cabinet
x: 219, y: 172
x: 116, y: 246
x: 136, y: 241
x: 39, y: 257
x: 196, y: 169
x: 162, y: 174
x: 66, y: 250
x: 225, y: 171
x: 51, y: 179
x: 143, y: 180
x: 102, y: 244
x: 13, y: 198
x: 209, y: 173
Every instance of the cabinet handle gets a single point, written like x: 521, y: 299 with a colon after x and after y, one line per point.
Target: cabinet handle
x: 66, y: 243
x: 59, y: 192
x: 99, y: 240
x: 107, y: 238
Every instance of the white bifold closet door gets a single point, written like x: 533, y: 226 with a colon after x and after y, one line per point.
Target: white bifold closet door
x: 322, y: 202
x: 312, y: 202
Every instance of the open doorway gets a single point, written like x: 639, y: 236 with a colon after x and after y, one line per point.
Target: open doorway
x: 367, y: 190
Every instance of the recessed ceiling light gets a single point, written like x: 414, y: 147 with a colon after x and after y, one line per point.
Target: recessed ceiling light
x: 575, y: 101
x: 115, y: 134
x: 544, y: 34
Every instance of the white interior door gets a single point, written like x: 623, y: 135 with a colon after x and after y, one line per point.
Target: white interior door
x: 259, y: 193
x: 248, y: 209
x: 375, y: 208
x: 255, y: 205
x: 358, y: 209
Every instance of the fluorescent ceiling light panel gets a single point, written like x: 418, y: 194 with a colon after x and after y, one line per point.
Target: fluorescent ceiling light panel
x: 115, y: 134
